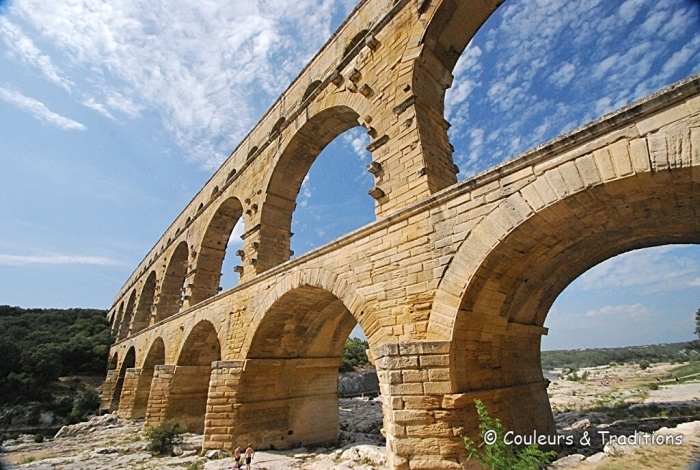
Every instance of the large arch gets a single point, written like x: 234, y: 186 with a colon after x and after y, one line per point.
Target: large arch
x: 187, y: 398
x: 155, y: 357
x: 142, y: 316
x: 287, y: 176
x: 116, y: 321
x: 290, y: 376
x: 212, y: 249
x: 128, y: 363
x: 173, y: 286
x: 494, y: 298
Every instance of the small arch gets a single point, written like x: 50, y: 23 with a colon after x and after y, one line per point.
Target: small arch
x: 214, y: 192
x: 128, y: 363
x: 231, y: 174
x: 212, y: 250
x: 357, y: 39
x: 199, y: 208
x: 310, y: 89
x: 187, y: 401
x: 118, y: 319
x: 143, y: 312
x: 252, y: 152
x: 155, y: 357
x: 172, y: 290
x: 127, y: 317
x: 189, y: 219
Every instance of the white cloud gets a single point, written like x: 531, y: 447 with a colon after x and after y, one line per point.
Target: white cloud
x: 563, y: 75
x: 694, y: 283
x: 39, y: 110
x: 619, y: 311
x: 358, y: 140
x: 304, y: 192
x: 56, y: 259
x: 657, y: 269
x: 208, y: 68
x: 23, y: 47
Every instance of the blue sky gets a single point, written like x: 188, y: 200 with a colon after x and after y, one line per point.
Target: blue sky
x: 113, y: 115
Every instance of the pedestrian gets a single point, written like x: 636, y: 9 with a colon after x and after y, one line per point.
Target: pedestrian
x: 249, y: 452
x: 237, y: 456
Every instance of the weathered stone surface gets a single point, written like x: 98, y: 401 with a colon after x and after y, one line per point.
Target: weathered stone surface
x: 450, y: 284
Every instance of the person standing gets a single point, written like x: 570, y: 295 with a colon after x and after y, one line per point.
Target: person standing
x: 237, y: 456
x: 249, y: 452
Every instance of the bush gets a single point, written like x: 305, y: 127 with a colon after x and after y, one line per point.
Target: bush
x: 499, y: 455
x: 162, y: 438
x: 644, y: 364
x: 38, y: 438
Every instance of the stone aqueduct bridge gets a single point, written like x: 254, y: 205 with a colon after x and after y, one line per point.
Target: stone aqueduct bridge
x: 451, y: 283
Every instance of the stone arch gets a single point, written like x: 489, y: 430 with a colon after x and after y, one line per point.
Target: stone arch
x: 113, y: 362
x: 496, y: 294
x: 117, y: 319
x: 310, y: 89
x: 142, y: 316
x: 356, y: 39
x: 173, y: 285
x: 187, y: 400
x: 291, y: 366
x: 155, y: 357
x: 286, y: 178
x: 128, y: 363
x: 212, y: 249
x: 127, y: 316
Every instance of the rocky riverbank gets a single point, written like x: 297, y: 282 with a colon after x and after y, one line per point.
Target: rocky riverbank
x: 612, y: 401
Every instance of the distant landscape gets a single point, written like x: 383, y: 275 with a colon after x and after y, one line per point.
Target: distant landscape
x: 54, y: 362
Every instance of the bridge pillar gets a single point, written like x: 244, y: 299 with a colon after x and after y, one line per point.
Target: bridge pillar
x: 414, y: 379
x: 428, y: 407
x: 221, y: 417
x: 274, y: 403
x: 159, y: 394
x: 128, y: 395
x: 108, y: 390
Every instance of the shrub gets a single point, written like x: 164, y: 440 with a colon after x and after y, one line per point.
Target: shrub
x: 499, y: 455
x: 644, y: 364
x: 163, y: 437
x: 38, y: 438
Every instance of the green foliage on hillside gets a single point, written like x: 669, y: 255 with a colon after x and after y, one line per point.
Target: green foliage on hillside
x: 578, y: 358
x: 39, y: 345
x: 354, y: 355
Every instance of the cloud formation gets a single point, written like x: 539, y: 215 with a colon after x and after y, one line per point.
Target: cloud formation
x: 210, y: 69
x: 39, y: 110
x: 56, y: 259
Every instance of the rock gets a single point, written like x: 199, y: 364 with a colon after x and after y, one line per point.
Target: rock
x: 375, y: 454
x: 353, y: 384
x: 582, y: 424
x: 177, y: 451
x: 216, y: 454
x: 570, y: 461
x: 88, y: 427
x: 595, y: 458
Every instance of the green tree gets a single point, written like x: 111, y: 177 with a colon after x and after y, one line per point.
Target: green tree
x: 697, y: 323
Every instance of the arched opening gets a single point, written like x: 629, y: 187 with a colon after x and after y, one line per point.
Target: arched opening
x: 497, y: 333
x: 116, y: 321
x: 143, y: 312
x: 354, y: 42
x: 127, y: 316
x: 210, y: 259
x: 310, y: 89
x: 291, y: 372
x: 536, y: 71
x: 172, y: 292
x: 128, y: 363
x: 292, y: 176
x: 155, y: 357
x: 187, y: 401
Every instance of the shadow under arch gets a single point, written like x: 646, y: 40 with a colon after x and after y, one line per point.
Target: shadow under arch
x: 128, y: 363
x: 143, y: 312
x: 188, y: 391
x: 290, y: 377
x: 155, y: 357
x: 286, y: 179
x: 503, y: 281
x: 173, y: 284
x: 212, y: 249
